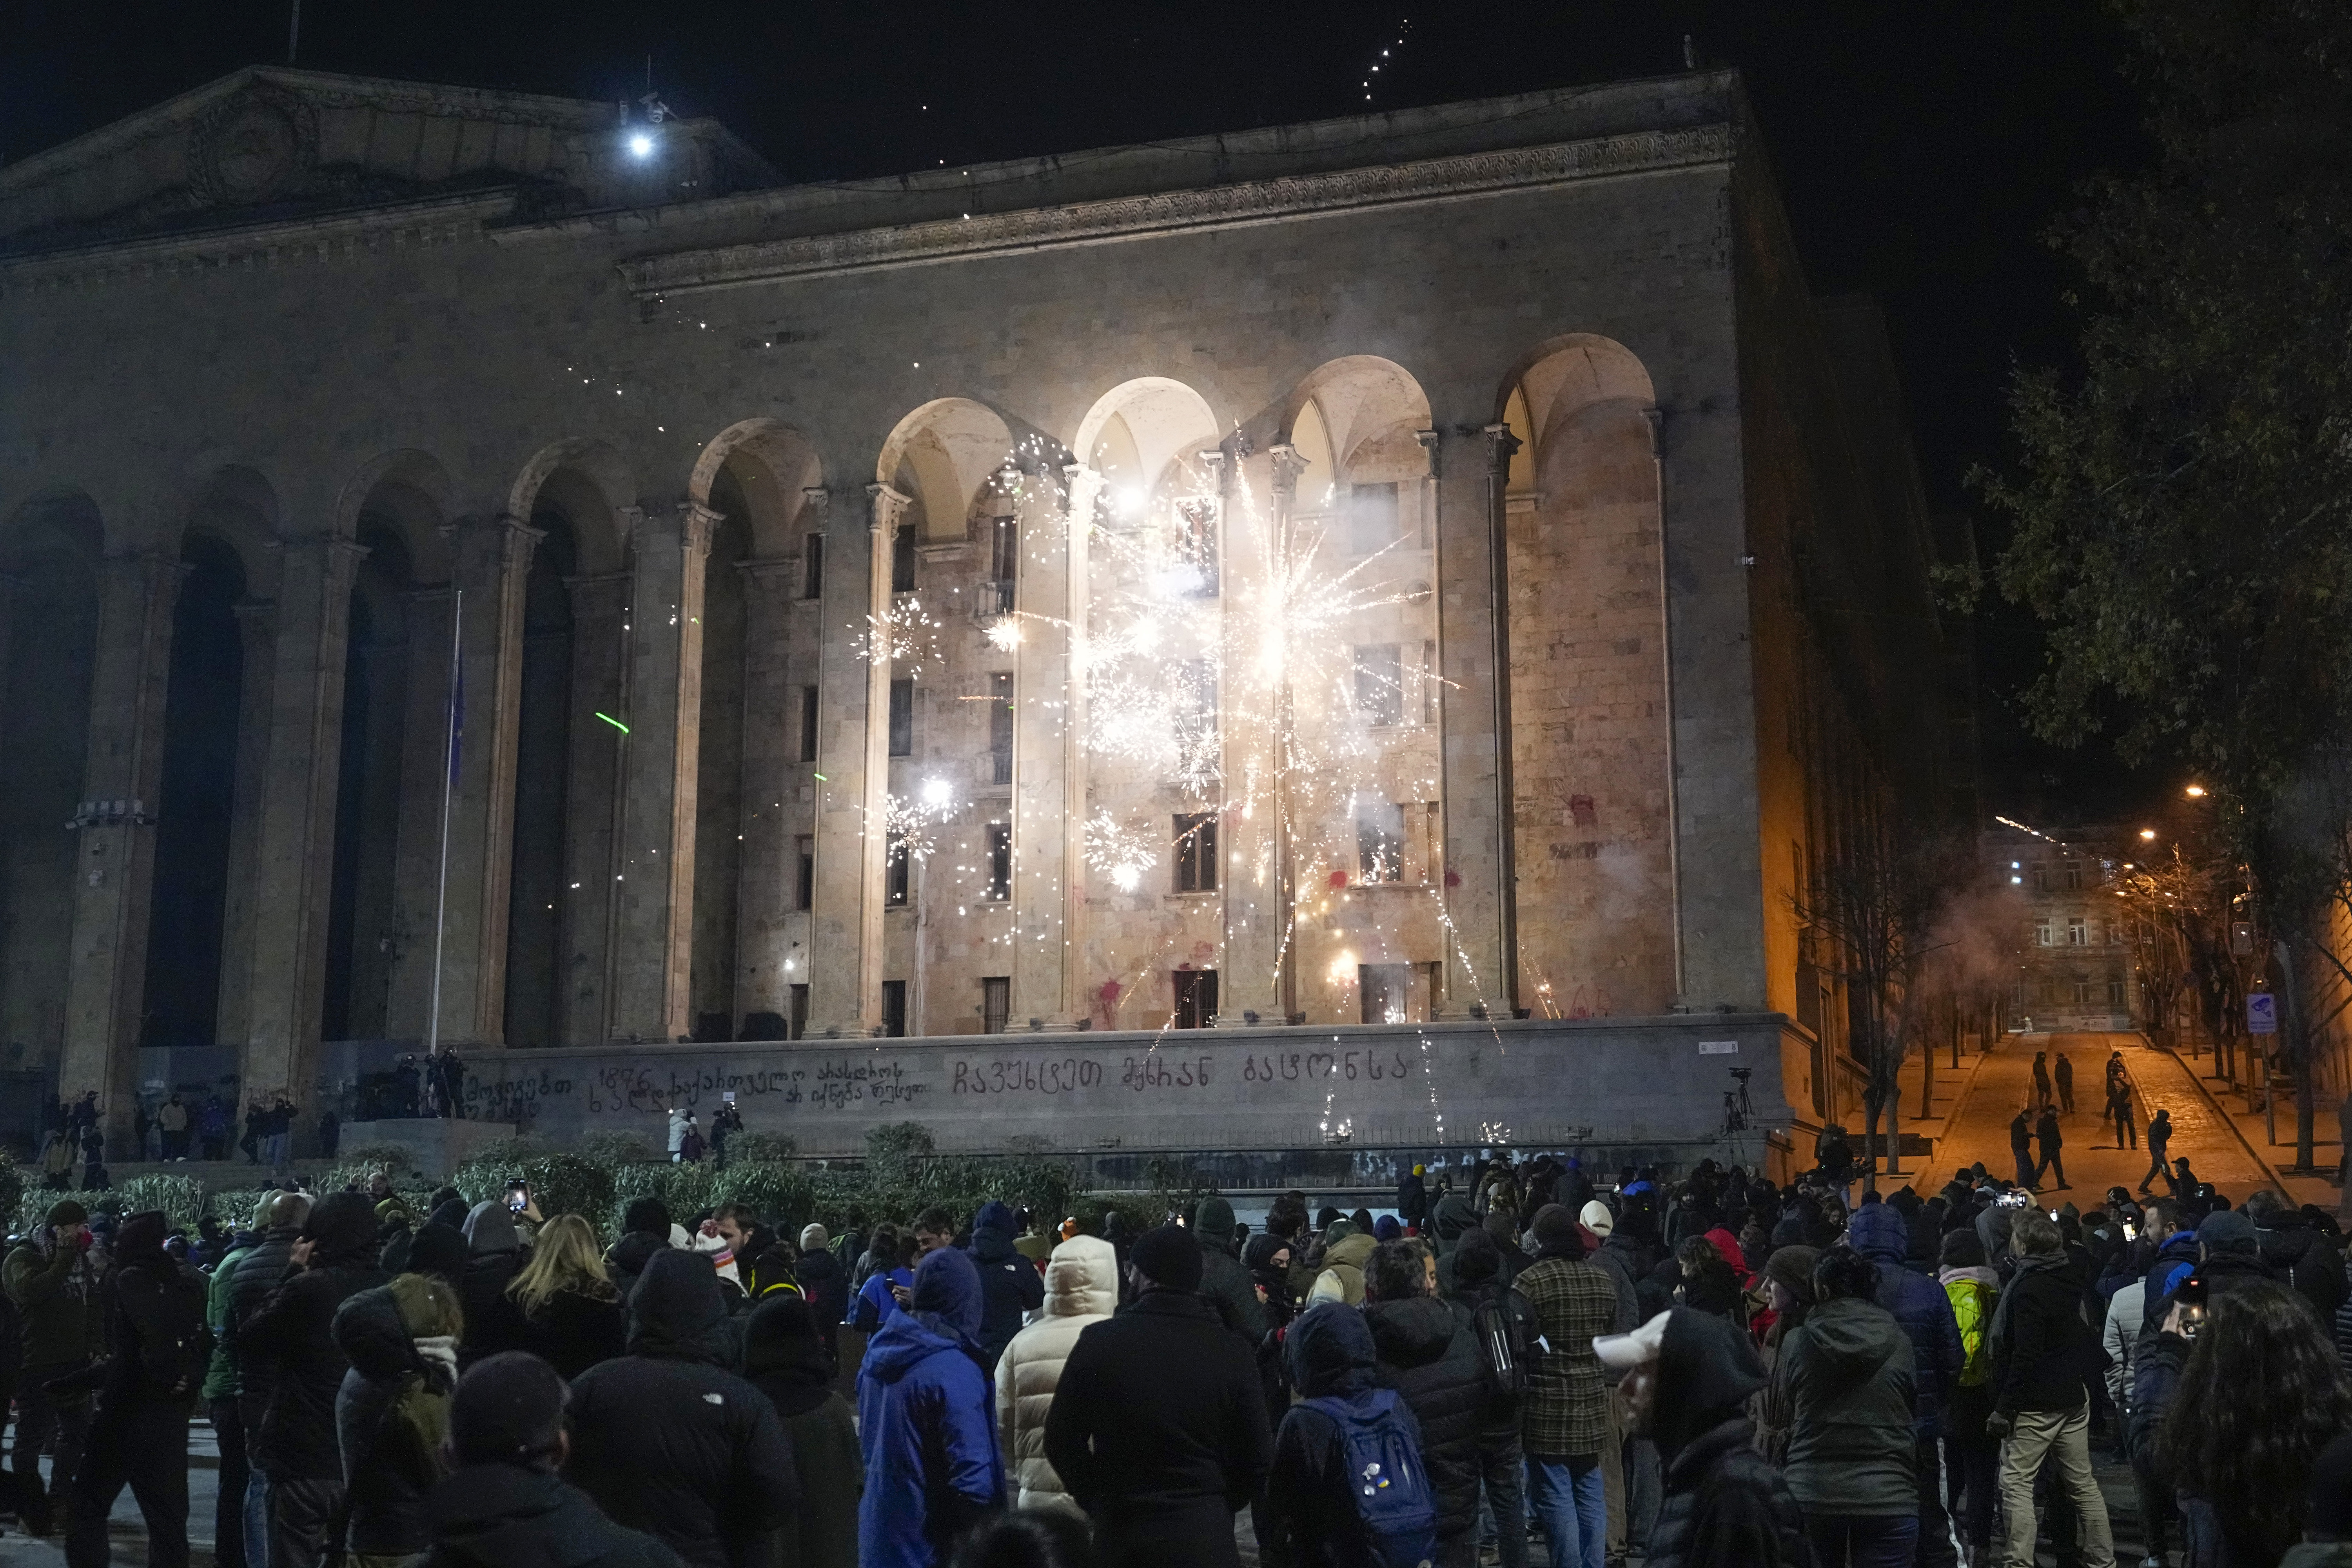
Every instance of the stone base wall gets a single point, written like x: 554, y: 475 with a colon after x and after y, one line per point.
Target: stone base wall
x: 1531, y: 1084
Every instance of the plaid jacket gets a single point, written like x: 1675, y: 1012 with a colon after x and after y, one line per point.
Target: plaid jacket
x: 1565, y: 1412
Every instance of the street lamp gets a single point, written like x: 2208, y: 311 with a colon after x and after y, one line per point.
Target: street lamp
x: 2195, y: 791
x: 2147, y: 833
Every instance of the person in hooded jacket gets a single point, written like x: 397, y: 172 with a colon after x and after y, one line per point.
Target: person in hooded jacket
x: 669, y: 1440
x: 392, y: 1412
x: 53, y: 1282
x: 1847, y: 1382
x: 291, y: 1333
x: 1880, y: 1233
x: 1341, y: 1277
x: 1081, y: 1290
x: 259, y: 1269
x: 1502, y: 1462
x: 924, y: 1421
x: 1687, y: 1379
x: 645, y: 1235
x: 2043, y: 1353
x: 1310, y: 1518
x: 1412, y: 1198
x: 494, y: 1321
x: 1427, y: 1352
x: 825, y: 1284
x: 1224, y: 1280
x: 503, y: 1505
x: 1158, y: 1426
x: 1973, y: 1288
x: 1010, y: 1287
x: 2297, y: 1252
x: 157, y: 1345
x: 784, y: 1358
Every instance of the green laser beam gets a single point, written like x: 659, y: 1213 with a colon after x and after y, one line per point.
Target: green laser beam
x: 615, y: 723
x: 821, y: 776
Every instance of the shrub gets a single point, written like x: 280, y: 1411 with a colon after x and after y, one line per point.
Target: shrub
x: 559, y: 1182
x: 755, y: 1147
x: 181, y: 1198
x: 785, y: 1196
x: 234, y: 1207
x: 608, y: 1148
x: 389, y: 1158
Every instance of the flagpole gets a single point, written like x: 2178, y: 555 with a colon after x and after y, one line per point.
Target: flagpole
x: 448, y: 782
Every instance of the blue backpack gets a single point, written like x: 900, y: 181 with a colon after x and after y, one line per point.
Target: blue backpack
x: 1385, y: 1478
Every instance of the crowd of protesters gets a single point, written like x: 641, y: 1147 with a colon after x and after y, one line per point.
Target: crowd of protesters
x: 1535, y: 1365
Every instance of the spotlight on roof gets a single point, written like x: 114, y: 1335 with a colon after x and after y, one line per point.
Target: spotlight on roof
x: 641, y: 145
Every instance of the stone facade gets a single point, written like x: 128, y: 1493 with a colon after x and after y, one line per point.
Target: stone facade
x: 1364, y: 574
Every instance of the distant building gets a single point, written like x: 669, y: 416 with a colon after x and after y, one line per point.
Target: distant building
x: 2075, y: 970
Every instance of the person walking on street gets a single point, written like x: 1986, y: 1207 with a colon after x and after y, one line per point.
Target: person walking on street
x: 669, y: 1440
x: 1687, y: 1379
x: 2046, y: 1133
x: 2119, y: 1111
x: 786, y: 1359
x: 504, y: 1505
x: 2159, y: 1133
x: 54, y: 1287
x: 1846, y: 1379
x: 156, y: 1349
x: 924, y: 1424
x: 2041, y: 1348
x: 2020, y: 1144
x: 392, y: 1412
x: 1564, y: 1417
x: 1081, y: 1290
x: 2065, y: 1076
x: 2041, y: 1079
x: 1923, y: 1312
x: 1158, y: 1427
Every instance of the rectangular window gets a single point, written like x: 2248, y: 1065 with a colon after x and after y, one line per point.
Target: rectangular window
x: 1196, y: 852
x: 808, y: 724
x: 1196, y: 546
x: 1000, y: 860
x: 812, y: 567
x: 2077, y: 931
x: 1380, y: 684
x: 1194, y: 708
x: 2082, y: 993
x: 1196, y: 998
x: 1385, y: 990
x: 1380, y: 841
x: 1430, y: 681
x: 902, y: 559
x: 805, y: 887
x: 797, y: 1027
x: 1371, y: 517
x: 2115, y: 990
x: 1000, y: 726
x: 902, y: 718
x: 995, y: 1003
x: 2074, y: 876
x: 2042, y: 933
x: 1005, y: 563
x: 894, y: 872
x: 2040, y: 877
x: 894, y: 1009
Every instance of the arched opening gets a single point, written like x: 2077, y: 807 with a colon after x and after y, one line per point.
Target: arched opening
x: 49, y: 555
x: 1362, y: 798
x: 757, y: 656
x: 201, y: 723
x: 539, y: 886
x: 1590, y: 749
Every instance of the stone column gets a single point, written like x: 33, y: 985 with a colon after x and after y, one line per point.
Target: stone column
x: 652, y: 890
x: 1041, y: 739
x: 772, y: 775
x: 115, y: 866
x: 493, y: 566
x: 852, y: 765
x: 8, y: 587
x: 1249, y: 880
x: 1084, y: 485
x: 591, y: 802
x: 1481, y: 971
x: 294, y: 836
x: 256, y: 623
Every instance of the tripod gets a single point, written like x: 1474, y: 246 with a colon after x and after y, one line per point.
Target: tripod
x: 1737, y: 1108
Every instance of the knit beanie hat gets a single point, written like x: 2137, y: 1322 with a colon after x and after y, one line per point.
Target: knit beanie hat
x: 1554, y: 1230
x: 1597, y: 1219
x: 1170, y: 1257
x: 66, y: 1211
x: 1794, y: 1267
x: 509, y: 1407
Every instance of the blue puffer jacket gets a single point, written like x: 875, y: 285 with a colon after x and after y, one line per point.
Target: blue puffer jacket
x: 1924, y: 1313
x: 926, y: 1423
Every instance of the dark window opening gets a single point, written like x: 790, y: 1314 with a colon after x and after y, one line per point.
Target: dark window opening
x: 798, y: 1027
x: 1196, y: 998
x: 902, y: 559
x: 812, y: 567
x: 902, y: 718
x: 1430, y: 681
x: 1005, y: 551
x: 1000, y: 726
x: 1195, y: 708
x: 1385, y: 991
x: 1380, y: 684
x: 995, y: 1003
x: 808, y: 724
x: 894, y: 872
x: 1380, y: 841
x: 894, y: 1009
x: 1000, y: 860
x: 805, y: 892
x: 1196, y: 852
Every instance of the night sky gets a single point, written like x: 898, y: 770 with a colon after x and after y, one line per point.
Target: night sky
x: 1923, y: 145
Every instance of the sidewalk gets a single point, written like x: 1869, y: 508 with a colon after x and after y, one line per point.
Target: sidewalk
x: 2239, y: 1106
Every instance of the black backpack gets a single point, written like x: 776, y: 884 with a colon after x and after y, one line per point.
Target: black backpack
x: 1505, y: 1326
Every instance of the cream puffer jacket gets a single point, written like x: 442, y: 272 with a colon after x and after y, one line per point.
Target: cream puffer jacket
x: 1081, y: 1288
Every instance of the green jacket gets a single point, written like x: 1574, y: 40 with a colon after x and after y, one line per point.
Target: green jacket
x: 1846, y: 1380
x: 220, y: 1375
x: 56, y: 1292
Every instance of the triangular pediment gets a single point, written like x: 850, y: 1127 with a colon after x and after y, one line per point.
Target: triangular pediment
x: 269, y: 143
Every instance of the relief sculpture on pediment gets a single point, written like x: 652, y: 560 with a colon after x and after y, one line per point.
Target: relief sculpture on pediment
x: 256, y: 146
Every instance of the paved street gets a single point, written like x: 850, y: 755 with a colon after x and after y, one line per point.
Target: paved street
x: 128, y: 1533
x: 1978, y: 1130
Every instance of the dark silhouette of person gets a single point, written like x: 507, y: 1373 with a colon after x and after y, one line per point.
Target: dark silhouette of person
x: 2020, y: 1144
x: 2065, y: 1083
x: 2045, y: 1131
